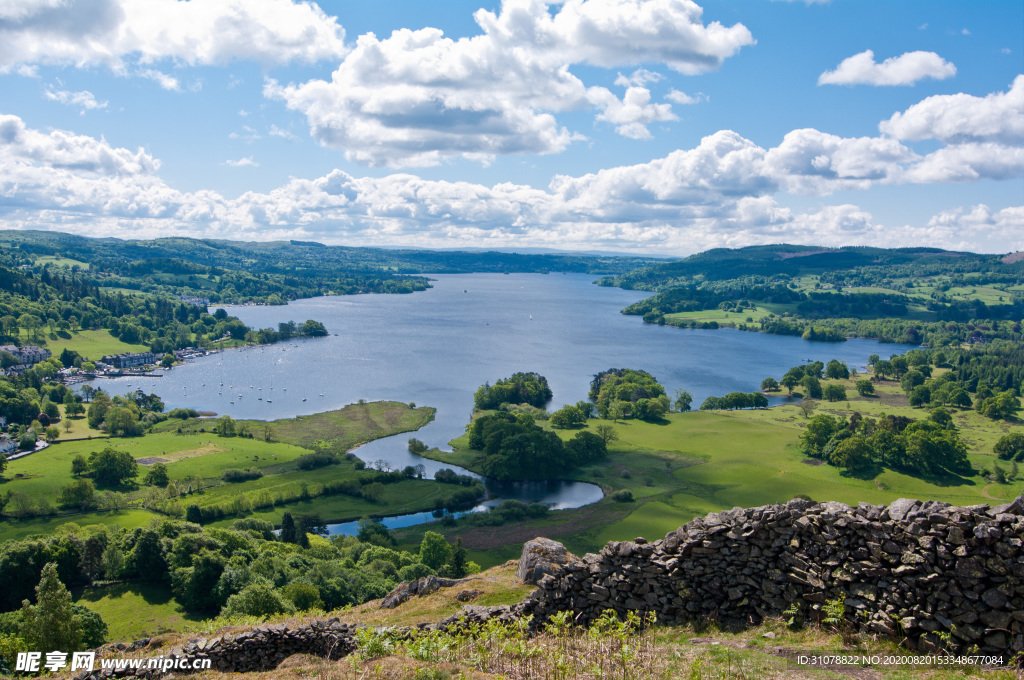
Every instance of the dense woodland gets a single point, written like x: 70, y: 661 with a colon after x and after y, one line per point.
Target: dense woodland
x: 242, y: 570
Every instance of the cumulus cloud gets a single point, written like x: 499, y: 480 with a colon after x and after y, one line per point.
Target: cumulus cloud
x: 113, y: 32
x: 417, y: 97
x: 906, y: 69
x: 722, y: 192
x: 247, y: 162
x: 83, y: 101
x: 957, y: 118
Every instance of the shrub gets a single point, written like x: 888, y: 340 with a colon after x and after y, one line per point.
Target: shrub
x: 234, y: 475
x: 311, y: 461
x: 257, y: 599
x: 623, y: 496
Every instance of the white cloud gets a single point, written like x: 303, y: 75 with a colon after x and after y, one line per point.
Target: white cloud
x: 638, y: 78
x: 246, y: 134
x: 283, y: 134
x: 906, y: 69
x: 167, y: 82
x: 723, y: 192
x: 418, y: 97
x: 83, y: 101
x: 682, y: 98
x: 109, y: 32
x: 998, y: 117
x: 632, y: 114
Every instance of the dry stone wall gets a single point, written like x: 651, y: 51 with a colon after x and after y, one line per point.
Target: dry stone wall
x: 938, y: 576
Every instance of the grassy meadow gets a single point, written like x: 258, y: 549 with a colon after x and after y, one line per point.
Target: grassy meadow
x: 92, y: 345
x: 707, y: 461
x: 192, y: 451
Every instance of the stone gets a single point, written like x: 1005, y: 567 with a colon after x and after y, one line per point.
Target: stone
x: 899, y: 508
x: 542, y: 557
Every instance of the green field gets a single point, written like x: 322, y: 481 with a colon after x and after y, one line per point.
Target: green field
x: 135, y: 610
x: 699, y: 462
x: 196, y: 452
x: 92, y: 345
x: 56, y: 261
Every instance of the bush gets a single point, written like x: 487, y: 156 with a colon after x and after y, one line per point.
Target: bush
x: 623, y: 496
x: 234, y: 475
x: 257, y: 599
x: 183, y: 413
x: 416, y: 446
x: 311, y: 461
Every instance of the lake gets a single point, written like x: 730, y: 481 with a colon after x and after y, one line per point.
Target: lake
x: 436, y: 347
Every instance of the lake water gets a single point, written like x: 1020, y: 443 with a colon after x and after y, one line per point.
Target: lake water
x: 436, y: 347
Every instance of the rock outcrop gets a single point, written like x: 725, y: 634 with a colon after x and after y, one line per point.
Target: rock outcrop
x: 421, y: 587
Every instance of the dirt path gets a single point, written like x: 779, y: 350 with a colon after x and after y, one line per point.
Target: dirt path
x: 986, y: 494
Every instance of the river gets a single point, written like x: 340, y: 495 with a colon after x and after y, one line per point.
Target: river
x: 436, y: 347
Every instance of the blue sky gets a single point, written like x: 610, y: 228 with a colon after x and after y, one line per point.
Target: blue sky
x: 649, y: 126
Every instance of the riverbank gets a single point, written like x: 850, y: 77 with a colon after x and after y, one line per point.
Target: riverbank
x: 707, y: 461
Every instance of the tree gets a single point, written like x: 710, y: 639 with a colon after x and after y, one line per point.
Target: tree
x: 114, y: 561
x: 865, y: 388
x: 120, y: 421
x: 683, y: 401
x: 606, y: 431
x: 435, y: 551
x: 883, y: 369
x: 459, y: 559
x: 769, y: 384
x: 566, y: 417
x: 257, y: 599
x: 807, y: 407
x: 111, y: 467
x: 51, y: 624
x: 157, y: 476
x: 288, y: 531
x: 80, y: 494
x: 167, y: 361
x: 147, y: 557
x: 854, y: 454
x: 834, y: 392
x: 1010, y: 447
x: 416, y: 446
x: 812, y: 385
x: 225, y: 426
x: 835, y: 370
x: 52, y: 433
x: 789, y: 381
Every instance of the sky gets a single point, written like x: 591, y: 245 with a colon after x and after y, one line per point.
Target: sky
x: 660, y: 127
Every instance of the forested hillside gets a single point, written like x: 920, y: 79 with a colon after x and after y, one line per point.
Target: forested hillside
x: 271, y: 272
x: 920, y: 295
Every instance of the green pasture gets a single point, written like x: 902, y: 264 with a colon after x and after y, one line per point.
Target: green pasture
x: 191, y: 449
x: 92, y: 345
x: 693, y: 463
x: 135, y: 610
x: 724, y: 318
x: 410, y: 495
x: 11, y: 529
x: 55, y: 261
